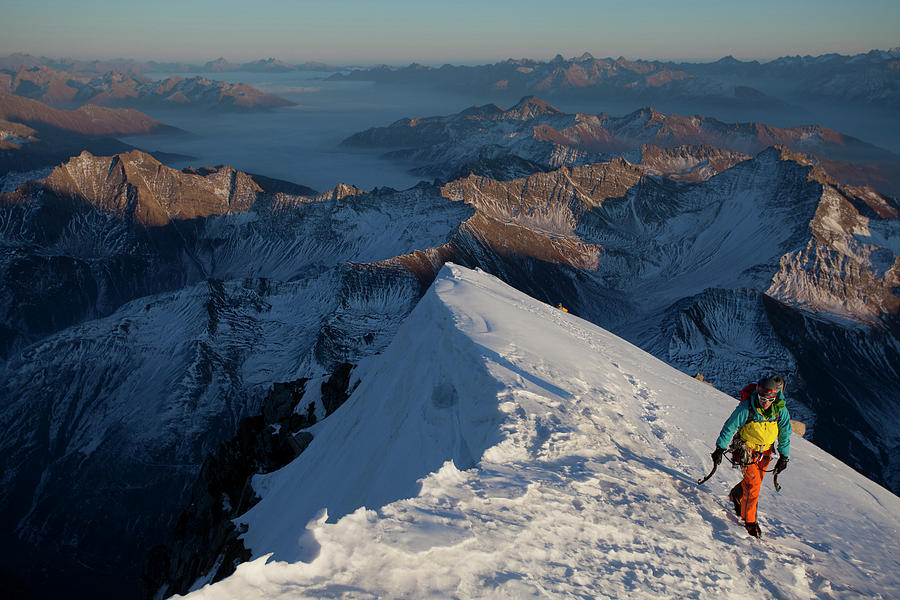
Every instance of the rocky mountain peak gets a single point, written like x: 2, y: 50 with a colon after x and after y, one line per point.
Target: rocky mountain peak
x: 537, y: 216
x: 341, y: 191
x: 269, y: 64
x: 135, y: 186
x: 838, y: 261
x: 728, y: 61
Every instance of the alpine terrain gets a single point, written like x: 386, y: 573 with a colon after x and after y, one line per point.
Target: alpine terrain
x: 169, y: 334
x: 501, y: 448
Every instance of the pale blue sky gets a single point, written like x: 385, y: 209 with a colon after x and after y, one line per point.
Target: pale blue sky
x: 461, y: 31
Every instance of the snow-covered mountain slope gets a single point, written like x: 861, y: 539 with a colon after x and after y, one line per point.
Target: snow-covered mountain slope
x: 770, y: 265
x: 105, y: 425
x: 153, y: 343
x: 500, y: 448
x: 81, y: 243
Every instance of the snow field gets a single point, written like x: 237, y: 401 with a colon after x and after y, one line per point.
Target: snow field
x: 500, y: 448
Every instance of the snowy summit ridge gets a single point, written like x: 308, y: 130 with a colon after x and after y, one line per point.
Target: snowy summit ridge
x: 500, y: 448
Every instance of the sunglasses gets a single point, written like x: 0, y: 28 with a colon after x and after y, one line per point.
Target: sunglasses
x: 767, y: 395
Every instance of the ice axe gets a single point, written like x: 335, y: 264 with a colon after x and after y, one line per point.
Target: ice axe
x: 715, y: 466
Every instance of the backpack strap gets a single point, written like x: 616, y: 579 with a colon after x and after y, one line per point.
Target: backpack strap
x: 747, y: 392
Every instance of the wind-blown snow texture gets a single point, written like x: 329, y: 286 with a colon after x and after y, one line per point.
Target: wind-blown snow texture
x: 500, y: 448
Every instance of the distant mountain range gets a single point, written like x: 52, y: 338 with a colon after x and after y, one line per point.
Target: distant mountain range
x: 67, y: 90
x: 866, y: 79
x: 534, y: 135
x: 267, y: 65
x: 637, y: 82
x: 869, y: 79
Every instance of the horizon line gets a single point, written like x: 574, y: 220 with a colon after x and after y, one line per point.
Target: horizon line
x: 350, y: 63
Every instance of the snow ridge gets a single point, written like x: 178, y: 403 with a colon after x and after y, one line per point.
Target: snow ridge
x: 500, y: 448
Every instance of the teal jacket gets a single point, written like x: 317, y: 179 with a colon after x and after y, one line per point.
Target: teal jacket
x: 746, y: 412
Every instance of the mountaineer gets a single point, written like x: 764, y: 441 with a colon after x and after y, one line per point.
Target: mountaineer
x: 750, y: 434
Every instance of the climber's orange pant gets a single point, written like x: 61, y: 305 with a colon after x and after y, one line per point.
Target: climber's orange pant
x: 753, y: 476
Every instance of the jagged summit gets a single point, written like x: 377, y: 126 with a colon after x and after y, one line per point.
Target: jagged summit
x: 728, y: 60
x: 137, y: 187
x: 339, y: 192
x: 533, y: 453
x: 268, y: 64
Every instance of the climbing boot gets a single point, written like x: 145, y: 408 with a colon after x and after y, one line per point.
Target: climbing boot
x: 754, y: 530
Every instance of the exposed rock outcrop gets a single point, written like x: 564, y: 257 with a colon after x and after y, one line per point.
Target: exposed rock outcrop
x: 136, y: 187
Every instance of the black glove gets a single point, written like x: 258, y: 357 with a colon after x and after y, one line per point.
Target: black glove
x: 717, y: 455
x: 781, y: 465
